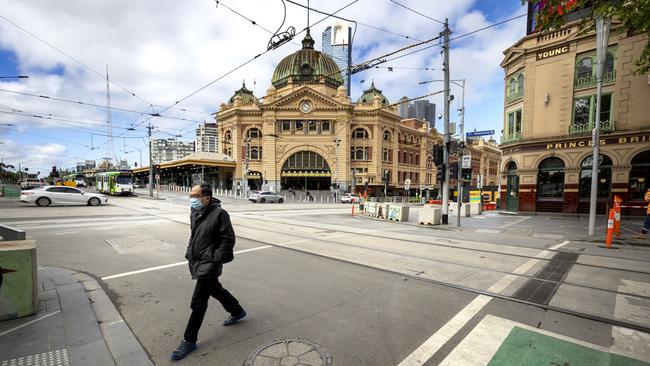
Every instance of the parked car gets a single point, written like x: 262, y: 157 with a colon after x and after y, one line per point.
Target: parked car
x: 350, y: 198
x: 30, y: 183
x: 264, y: 197
x: 61, y: 195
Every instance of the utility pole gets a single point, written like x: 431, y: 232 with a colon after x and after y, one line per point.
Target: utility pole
x: 149, y: 128
x: 461, y: 147
x: 245, y: 180
x: 445, y: 156
x: 602, y: 38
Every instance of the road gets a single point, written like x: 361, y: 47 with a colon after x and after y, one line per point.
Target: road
x: 369, y: 292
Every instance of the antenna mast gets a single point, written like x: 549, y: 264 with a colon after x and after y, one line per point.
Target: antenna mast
x: 110, y: 149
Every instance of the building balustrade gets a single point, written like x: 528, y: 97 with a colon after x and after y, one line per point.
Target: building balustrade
x: 511, y: 138
x: 585, y: 129
x: 513, y: 97
x: 589, y: 81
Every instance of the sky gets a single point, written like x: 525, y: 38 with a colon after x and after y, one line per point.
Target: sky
x: 161, y: 52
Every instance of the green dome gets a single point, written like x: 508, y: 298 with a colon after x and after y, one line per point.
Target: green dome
x: 307, y: 66
x: 246, y: 95
x: 370, y: 93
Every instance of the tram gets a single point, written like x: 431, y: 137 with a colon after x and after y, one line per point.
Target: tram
x: 115, y: 183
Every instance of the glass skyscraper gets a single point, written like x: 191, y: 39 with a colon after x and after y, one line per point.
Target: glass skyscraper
x: 336, y: 45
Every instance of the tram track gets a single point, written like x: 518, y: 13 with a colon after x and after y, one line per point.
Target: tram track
x: 511, y: 298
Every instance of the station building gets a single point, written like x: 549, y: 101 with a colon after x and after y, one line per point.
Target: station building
x: 549, y: 109
x: 306, y: 133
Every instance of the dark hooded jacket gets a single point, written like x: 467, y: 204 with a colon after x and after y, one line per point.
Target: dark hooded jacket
x: 211, y: 241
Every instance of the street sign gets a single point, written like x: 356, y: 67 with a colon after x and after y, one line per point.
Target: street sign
x: 467, y: 162
x: 480, y: 133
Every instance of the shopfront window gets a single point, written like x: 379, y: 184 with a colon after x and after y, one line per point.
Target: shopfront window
x: 550, y: 179
x: 639, y: 176
x: 604, y: 177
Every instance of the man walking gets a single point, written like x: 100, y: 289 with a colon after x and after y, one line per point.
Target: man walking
x: 646, y: 221
x: 211, y: 244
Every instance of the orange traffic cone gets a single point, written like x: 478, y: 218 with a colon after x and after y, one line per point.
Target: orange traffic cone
x: 610, y: 230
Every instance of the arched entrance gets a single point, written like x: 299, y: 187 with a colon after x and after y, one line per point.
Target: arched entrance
x: 639, y: 176
x: 512, y: 188
x: 550, y: 185
x: 604, y: 183
x: 306, y: 170
x: 254, y: 180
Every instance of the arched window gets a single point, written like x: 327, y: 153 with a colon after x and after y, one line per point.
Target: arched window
x: 550, y: 179
x: 520, y: 83
x: 256, y: 153
x: 387, y: 136
x: 429, y: 162
x: 604, y: 176
x: 639, y: 176
x: 360, y: 133
x: 512, y: 168
x: 358, y: 154
x: 609, y: 63
x: 585, y: 68
x: 512, y: 87
x: 254, y: 133
x: 227, y: 136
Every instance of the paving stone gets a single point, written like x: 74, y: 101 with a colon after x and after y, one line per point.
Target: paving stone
x: 134, y: 359
x: 71, y: 299
x: 91, y: 285
x: 93, y: 353
x: 48, y: 294
x: 52, y: 305
x: 80, y: 325
x: 119, y: 339
x: 15, y: 345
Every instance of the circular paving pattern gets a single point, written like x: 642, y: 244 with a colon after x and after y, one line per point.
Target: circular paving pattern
x: 289, y: 352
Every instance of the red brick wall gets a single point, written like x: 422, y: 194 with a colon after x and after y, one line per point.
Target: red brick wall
x: 570, y: 198
x: 527, y: 199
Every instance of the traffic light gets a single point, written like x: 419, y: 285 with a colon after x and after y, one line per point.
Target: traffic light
x: 453, y: 169
x: 467, y: 174
x: 438, y: 155
x: 440, y: 176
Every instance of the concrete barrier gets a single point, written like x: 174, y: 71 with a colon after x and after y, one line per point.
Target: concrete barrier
x: 464, y: 209
x: 398, y: 213
x: 18, y: 279
x: 10, y: 233
x: 371, y: 209
x: 430, y: 215
x: 382, y: 210
x: 475, y: 208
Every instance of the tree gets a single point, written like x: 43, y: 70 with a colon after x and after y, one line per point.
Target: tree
x: 634, y: 16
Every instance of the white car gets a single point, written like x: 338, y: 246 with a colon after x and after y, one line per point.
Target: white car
x: 350, y: 198
x: 61, y: 195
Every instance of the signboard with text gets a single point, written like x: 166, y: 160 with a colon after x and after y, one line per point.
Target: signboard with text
x: 480, y: 133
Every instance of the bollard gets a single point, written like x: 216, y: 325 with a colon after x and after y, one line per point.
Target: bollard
x: 617, y: 216
x: 610, y: 231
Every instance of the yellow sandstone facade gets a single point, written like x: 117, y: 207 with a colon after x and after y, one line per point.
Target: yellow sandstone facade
x: 305, y: 133
x: 549, y: 112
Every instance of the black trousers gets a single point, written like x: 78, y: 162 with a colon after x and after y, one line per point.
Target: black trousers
x: 202, y: 292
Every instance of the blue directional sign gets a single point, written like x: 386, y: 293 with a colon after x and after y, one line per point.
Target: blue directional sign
x: 480, y: 133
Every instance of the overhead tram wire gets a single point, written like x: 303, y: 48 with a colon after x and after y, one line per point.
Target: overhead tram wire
x: 93, y: 105
x: 45, y: 137
x: 417, y: 12
x: 246, y: 63
x: 461, y: 36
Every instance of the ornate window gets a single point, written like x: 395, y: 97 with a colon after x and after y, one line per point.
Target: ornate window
x: 254, y: 133
x: 359, y: 153
x: 584, y: 114
x: 515, y: 88
x: 585, y: 74
x: 387, y: 136
x: 604, y: 176
x: 550, y: 179
x: 639, y: 176
x: 360, y: 133
x: 256, y: 153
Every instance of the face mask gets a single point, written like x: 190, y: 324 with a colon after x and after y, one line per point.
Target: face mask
x: 196, y: 203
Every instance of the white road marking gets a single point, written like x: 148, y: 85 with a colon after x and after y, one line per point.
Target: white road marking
x: 144, y: 270
x: 488, y: 231
x: 444, y: 334
x: 29, y: 322
x: 432, y: 345
x: 518, y: 221
x: 66, y: 233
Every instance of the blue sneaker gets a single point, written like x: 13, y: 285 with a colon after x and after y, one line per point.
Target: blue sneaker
x: 183, y: 349
x: 234, y: 319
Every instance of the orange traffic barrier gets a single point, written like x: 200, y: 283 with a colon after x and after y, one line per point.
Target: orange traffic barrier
x: 352, y: 207
x: 617, y: 216
x: 610, y: 229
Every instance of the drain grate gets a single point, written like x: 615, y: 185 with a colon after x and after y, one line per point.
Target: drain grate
x: 58, y: 357
x: 289, y: 352
x: 541, y: 292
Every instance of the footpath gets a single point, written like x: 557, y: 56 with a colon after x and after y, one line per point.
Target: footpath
x: 76, y: 325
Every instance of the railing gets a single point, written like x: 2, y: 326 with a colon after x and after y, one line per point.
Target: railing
x: 511, y: 138
x: 585, y: 129
x: 515, y: 97
x: 589, y: 81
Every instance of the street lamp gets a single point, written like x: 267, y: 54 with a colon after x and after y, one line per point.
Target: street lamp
x: 460, y: 83
x: 336, y: 181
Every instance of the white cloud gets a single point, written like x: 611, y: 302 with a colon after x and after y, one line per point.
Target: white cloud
x: 165, y: 50
x: 38, y: 158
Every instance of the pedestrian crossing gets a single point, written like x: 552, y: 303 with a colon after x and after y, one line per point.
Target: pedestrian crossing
x: 63, y: 226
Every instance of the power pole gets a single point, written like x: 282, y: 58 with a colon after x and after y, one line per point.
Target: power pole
x: 245, y: 180
x: 338, y: 191
x: 445, y: 156
x: 602, y: 38
x: 149, y: 129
